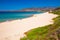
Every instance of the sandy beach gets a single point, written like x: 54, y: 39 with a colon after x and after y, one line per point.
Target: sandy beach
x: 14, y: 30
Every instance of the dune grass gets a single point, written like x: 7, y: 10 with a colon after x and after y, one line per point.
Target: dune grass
x: 41, y: 33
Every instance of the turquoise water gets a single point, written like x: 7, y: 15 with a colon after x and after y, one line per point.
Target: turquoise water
x: 4, y: 16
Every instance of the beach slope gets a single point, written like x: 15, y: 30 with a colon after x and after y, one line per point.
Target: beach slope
x: 14, y: 30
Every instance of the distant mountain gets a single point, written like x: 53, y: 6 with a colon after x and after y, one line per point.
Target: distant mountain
x: 38, y: 9
x: 30, y: 9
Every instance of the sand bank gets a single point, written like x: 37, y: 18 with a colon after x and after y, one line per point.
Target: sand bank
x: 14, y: 30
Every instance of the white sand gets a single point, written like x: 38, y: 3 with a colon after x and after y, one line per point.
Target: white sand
x: 14, y: 30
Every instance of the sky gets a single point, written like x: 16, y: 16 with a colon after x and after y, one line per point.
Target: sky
x: 21, y: 4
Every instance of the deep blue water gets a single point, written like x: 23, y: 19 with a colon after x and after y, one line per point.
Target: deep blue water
x: 4, y: 16
x: 23, y: 4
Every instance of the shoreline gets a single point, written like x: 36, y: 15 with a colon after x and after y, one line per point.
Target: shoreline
x: 15, y: 19
x: 14, y: 30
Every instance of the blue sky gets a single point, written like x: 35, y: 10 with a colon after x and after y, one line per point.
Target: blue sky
x: 21, y: 4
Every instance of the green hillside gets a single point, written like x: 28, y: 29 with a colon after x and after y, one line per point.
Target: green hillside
x: 48, y: 32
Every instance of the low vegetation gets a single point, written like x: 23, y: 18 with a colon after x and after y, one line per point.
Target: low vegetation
x: 48, y: 32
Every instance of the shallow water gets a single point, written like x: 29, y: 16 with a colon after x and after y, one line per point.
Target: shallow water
x: 4, y: 16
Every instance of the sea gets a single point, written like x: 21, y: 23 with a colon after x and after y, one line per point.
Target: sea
x: 7, y: 16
